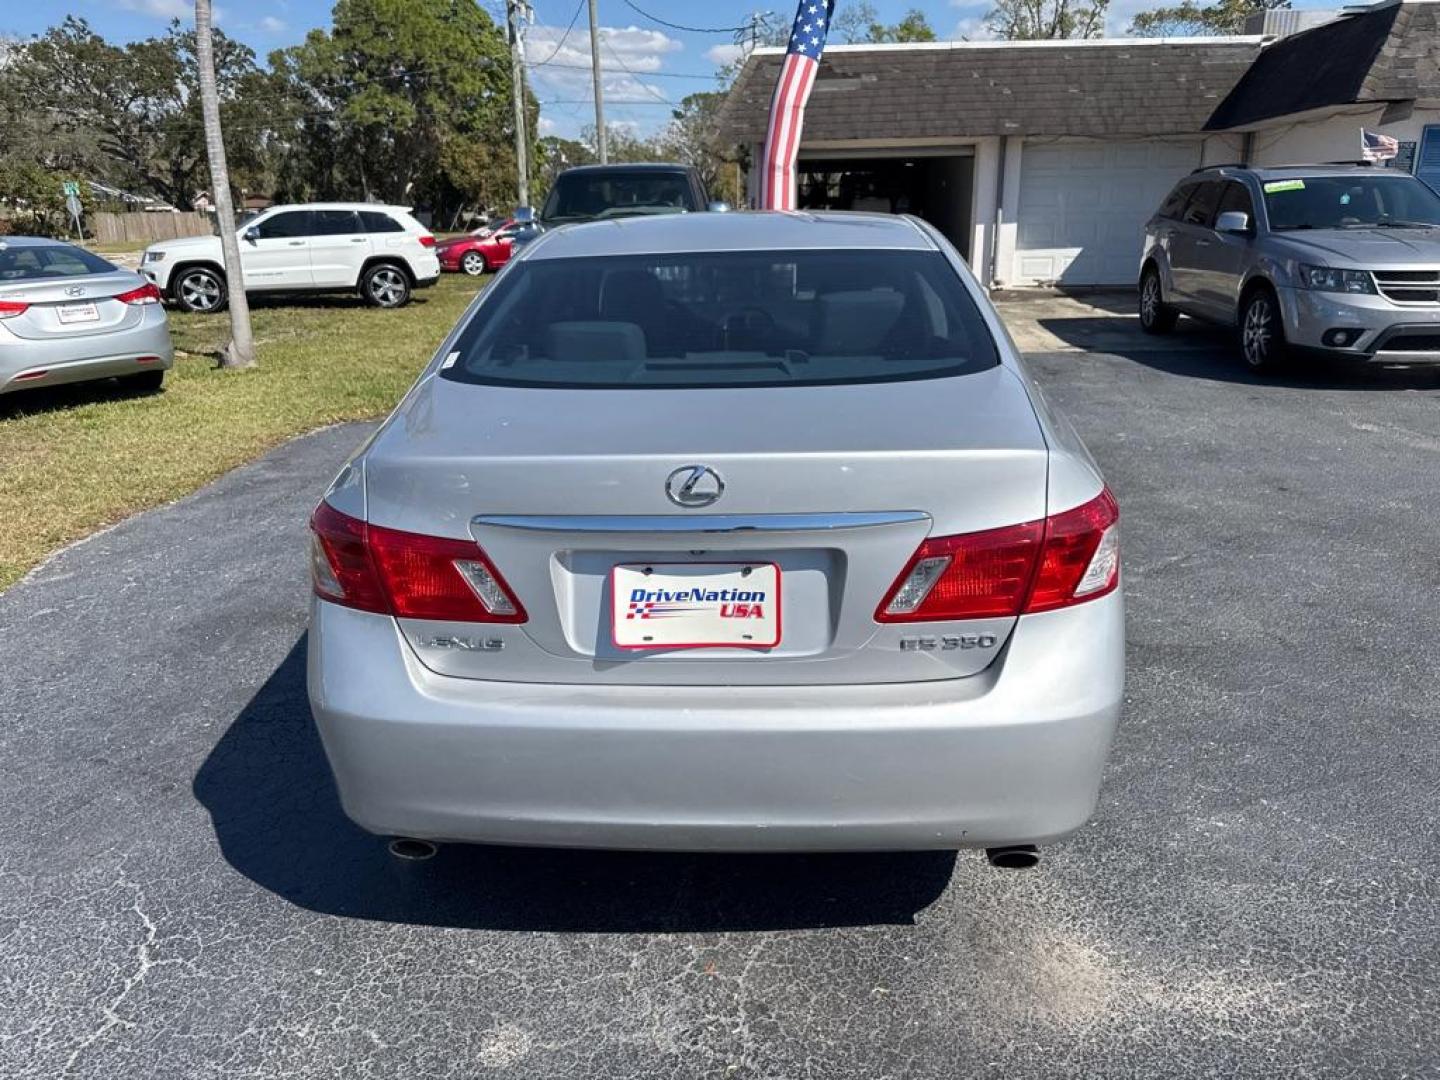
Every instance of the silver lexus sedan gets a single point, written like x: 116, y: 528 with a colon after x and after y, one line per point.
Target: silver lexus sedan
x: 721, y: 532
x: 67, y: 315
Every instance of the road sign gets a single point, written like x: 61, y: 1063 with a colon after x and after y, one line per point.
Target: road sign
x: 71, y: 187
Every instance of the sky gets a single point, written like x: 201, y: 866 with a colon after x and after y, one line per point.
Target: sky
x: 647, y: 66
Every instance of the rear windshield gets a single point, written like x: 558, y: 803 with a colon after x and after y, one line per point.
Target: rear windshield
x: 1350, y: 202
x: 49, y: 261
x: 724, y: 319
x: 617, y: 194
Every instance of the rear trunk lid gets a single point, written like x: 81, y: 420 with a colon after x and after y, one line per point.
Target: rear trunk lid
x: 835, y: 486
x: 69, y: 307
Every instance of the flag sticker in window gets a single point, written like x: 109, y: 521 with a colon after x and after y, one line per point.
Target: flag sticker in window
x: 1284, y: 185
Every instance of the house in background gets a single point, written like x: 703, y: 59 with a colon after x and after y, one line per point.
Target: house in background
x: 1041, y: 161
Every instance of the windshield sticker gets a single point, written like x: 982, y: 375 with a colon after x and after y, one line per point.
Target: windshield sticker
x: 1284, y: 185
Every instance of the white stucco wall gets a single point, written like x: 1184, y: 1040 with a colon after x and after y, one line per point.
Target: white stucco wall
x: 1334, y: 137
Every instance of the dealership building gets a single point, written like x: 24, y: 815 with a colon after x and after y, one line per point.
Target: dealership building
x: 1042, y: 160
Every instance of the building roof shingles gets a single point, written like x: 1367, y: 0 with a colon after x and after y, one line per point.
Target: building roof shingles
x: 1107, y: 89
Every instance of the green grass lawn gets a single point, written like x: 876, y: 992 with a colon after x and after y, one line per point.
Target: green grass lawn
x: 75, y: 459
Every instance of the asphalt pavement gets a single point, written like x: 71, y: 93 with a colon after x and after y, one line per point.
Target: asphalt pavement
x: 1258, y: 895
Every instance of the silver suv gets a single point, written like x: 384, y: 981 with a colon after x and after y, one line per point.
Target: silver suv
x: 1342, y: 260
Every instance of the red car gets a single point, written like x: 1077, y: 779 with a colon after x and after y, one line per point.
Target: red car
x: 480, y: 252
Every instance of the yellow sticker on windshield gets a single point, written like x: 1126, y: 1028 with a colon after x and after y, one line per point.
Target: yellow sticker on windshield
x: 1284, y: 185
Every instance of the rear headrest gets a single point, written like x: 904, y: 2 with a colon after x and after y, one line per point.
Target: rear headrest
x: 856, y: 322
x: 605, y: 342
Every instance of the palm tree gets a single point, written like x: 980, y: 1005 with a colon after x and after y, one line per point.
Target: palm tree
x: 240, y: 353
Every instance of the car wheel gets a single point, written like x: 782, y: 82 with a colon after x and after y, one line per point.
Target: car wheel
x: 200, y: 289
x: 1262, y: 334
x: 147, y: 382
x: 473, y: 263
x: 1156, y: 316
x: 385, y: 286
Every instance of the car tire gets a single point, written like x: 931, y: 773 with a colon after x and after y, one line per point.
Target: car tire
x: 1156, y: 316
x: 473, y: 263
x: 1262, y: 332
x: 200, y: 289
x: 146, y: 382
x: 385, y: 285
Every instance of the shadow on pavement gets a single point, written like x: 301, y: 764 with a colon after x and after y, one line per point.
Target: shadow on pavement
x: 1224, y: 364
x: 276, y: 815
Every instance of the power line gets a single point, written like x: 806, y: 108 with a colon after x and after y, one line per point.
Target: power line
x: 687, y: 29
x: 648, y: 74
x: 561, y: 43
x: 638, y: 80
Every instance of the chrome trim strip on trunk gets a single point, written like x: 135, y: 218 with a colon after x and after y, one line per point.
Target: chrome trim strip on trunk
x: 699, y: 523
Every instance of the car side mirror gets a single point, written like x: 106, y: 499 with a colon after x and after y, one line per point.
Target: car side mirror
x: 252, y: 234
x: 1233, y: 221
x: 717, y: 206
x: 526, y: 228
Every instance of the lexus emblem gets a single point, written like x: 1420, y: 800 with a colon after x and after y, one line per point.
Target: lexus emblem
x: 692, y: 486
x: 75, y: 290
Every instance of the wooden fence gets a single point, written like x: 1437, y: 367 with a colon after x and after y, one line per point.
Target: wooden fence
x: 113, y: 230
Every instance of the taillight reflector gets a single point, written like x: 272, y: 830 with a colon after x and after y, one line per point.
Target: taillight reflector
x: 10, y: 308
x: 1066, y: 559
x: 145, y: 294
x: 373, y: 568
x: 426, y: 240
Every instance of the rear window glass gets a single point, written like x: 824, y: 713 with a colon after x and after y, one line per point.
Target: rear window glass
x: 375, y: 221
x: 723, y: 319
x: 617, y: 194
x: 54, y: 260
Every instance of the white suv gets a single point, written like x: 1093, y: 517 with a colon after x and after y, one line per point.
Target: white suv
x: 382, y: 252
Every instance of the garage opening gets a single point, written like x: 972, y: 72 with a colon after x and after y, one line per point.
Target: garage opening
x: 937, y: 188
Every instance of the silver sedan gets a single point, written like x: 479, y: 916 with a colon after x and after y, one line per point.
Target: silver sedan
x: 722, y: 532
x: 67, y: 315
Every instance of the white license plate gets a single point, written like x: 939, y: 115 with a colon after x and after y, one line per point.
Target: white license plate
x: 695, y: 605
x: 73, y: 313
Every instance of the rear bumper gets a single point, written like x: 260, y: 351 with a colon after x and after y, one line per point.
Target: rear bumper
x: 1013, y: 755
x: 26, y: 364
x: 1388, y: 333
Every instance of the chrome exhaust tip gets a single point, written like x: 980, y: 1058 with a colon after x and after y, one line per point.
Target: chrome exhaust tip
x: 1013, y: 857
x: 411, y: 850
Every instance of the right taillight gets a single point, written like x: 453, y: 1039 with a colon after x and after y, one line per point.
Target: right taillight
x: 1081, y: 558
x: 1067, y: 558
x: 409, y: 575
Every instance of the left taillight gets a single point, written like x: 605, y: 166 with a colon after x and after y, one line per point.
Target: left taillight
x: 10, y: 308
x: 1068, y: 558
x: 145, y: 294
x: 426, y: 240
x: 409, y: 575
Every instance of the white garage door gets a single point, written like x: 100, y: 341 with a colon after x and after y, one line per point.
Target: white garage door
x: 1083, y: 207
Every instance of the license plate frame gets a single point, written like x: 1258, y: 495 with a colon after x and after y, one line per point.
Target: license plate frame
x: 671, y: 629
x: 83, y: 311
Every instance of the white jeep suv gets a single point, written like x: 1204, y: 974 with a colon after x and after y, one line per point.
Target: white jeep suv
x: 381, y: 252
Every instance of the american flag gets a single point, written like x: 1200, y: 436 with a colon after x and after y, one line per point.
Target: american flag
x: 787, y: 107
x: 1375, y: 147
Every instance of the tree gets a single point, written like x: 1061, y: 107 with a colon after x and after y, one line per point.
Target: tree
x: 129, y: 114
x: 693, y: 137
x: 241, y: 351
x: 403, y: 100
x: 859, y: 22
x: 1187, y: 17
x: 1037, y: 20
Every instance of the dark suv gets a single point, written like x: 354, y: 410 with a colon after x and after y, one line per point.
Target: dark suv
x: 1336, y: 259
x: 593, y: 192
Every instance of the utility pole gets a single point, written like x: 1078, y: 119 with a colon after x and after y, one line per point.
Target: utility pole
x: 515, y: 10
x: 599, y: 90
x: 241, y: 351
